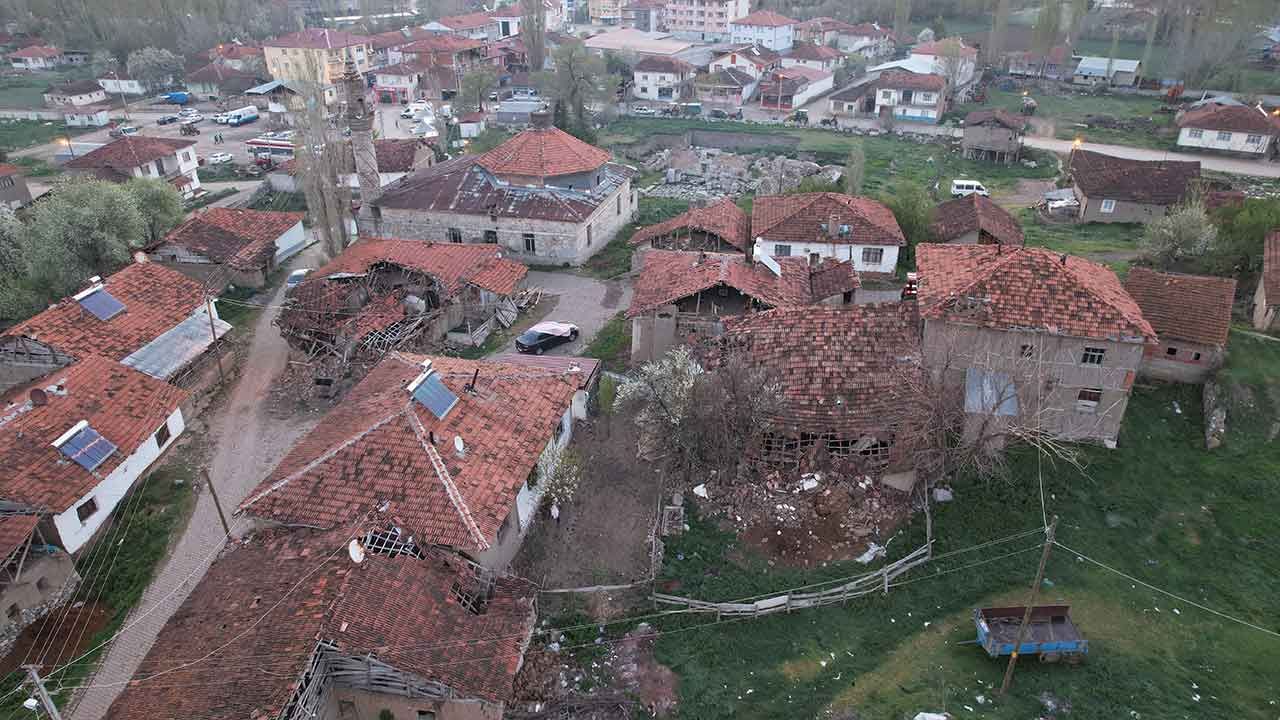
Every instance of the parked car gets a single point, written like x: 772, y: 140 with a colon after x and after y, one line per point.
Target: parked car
x: 220, y: 118
x: 546, y: 335
x: 188, y: 112
x: 296, y: 277
x: 642, y: 110
x: 220, y: 158
x: 192, y: 119
x: 964, y: 188
x: 167, y: 119
x: 123, y: 131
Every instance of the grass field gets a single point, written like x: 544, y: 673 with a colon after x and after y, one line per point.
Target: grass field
x: 1159, y: 508
x: 1111, y: 243
x: 19, y: 134
x: 889, y: 160
x: 1069, y: 111
x: 27, y: 91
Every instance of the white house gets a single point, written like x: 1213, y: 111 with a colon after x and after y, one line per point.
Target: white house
x: 170, y: 159
x: 868, y: 40
x: 508, y: 18
x: 88, y: 116
x: 475, y: 26
x: 122, y: 85
x: 1117, y: 71
x: 910, y: 97
x: 764, y: 27
x: 37, y: 57
x: 662, y: 79
x: 950, y: 58
x: 1229, y: 128
x: 753, y: 60
x: 815, y: 57
x: 81, y: 93
x: 471, y: 125
x: 858, y: 230
x: 78, y: 440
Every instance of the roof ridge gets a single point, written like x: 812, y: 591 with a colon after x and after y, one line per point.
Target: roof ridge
x: 442, y: 472
x: 985, y: 274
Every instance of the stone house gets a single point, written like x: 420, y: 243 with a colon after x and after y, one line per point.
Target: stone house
x: 765, y: 28
x: 143, y: 156
x: 858, y: 230
x: 1191, y: 315
x: 975, y: 220
x: 14, y: 192
x: 455, y: 446
x: 38, y: 576
x: 1112, y: 189
x: 146, y: 316
x: 388, y: 625
x: 829, y: 415
x: 76, y: 442
x: 1239, y: 129
x: 1048, y: 342
x: 662, y: 79
x: 80, y: 93
x: 543, y: 196
x: 682, y: 297
x: 994, y: 135
x: 1266, y: 298
x: 221, y: 246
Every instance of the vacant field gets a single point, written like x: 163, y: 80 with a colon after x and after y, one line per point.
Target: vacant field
x: 19, y: 134
x: 1068, y: 111
x: 1159, y: 508
x: 1114, y: 244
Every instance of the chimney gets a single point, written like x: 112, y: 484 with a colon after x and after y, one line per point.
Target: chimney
x: 1063, y: 258
x: 540, y: 120
x: 833, y: 226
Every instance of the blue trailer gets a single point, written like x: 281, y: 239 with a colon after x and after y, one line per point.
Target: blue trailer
x: 1050, y: 635
x: 179, y: 98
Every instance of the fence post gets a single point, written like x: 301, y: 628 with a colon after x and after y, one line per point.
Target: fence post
x: 886, y: 581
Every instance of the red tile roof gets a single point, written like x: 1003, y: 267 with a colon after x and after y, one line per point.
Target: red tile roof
x: 1023, y: 288
x: 155, y: 299
x: 764, y: 18
x: 543, y: 152
x: 758, y: 55
x: 468, y: 21
x: 242, y: 239
x: 218, y: 72
x: 455, y: 264
x: 824, y: 24
x: 14, y: 531
x: 840, y: 368
x: 398, y: 154
x: 318, y: 39
x: 7, y: 169
x: 942, y: 47
x: 901, y: 80
x: 233, y: 51
x: 1271, y: 267
x: 722, y: 218
x: 668, y: 276
x: 1154, y: 182
x: 124, y: 154
x: 1231, y: 118
x: 805, y: 217
x: 964, y: 215
x: 668, y: 65
x: 868, y: 30
x: 373, y: 449
x: 123, y: 405
x: 999, y: 115
x: 280, y: 593
x: 1191, y: 308
x: 398, y: 38
x: 438, y: 43
x: 809, y: 51
x: 36, y: 51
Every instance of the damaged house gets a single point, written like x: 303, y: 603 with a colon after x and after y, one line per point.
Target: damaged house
x: 975, y: 220
x: 682, y: 297
x: 721, y: 227
x: 1112, y: 189
x: 840, y: 370
x: 145, y: 316
x: 1191, y: 315
x: 1046, y: 342
x: 543, y: 197
x: 383, y: 295
x: 358, y: 623
x: 221, y: 246
x: 453, y: 449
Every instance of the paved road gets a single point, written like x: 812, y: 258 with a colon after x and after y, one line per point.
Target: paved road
x: 585, y: 302
x: 1217, y: 163
x: 248, y: 444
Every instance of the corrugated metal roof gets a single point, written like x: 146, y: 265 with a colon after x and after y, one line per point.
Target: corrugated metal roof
x: 176, y: 347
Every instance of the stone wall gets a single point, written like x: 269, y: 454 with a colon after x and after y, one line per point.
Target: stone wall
x: 54, y: 568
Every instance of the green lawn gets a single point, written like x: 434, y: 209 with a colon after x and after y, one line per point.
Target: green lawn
x: 1160, y: 508
x: 19, y: 134
x: 1069, y: 113
x: 1242, y: 79
x: 27, y: 90
x: 1111, y: 243
x: 614, y: 259
x: 612, y: 344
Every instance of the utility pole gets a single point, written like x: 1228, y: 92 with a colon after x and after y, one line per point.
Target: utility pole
x: 213, y: 492
x: 213, y: 333
x: 1031, y: 599
x: 33, y: 671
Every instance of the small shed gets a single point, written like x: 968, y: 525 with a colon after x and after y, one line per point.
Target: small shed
x: 91, y: 116
x: 1191, y: 315
x: 993, y: 136
x: 471, y: 125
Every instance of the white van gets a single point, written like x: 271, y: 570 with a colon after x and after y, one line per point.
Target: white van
x: 244, y: 115
x: 965, y: 188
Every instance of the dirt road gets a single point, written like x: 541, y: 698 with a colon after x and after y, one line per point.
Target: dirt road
x: 585, y: 302
x: 247, y: 445
x: 1216, y: 163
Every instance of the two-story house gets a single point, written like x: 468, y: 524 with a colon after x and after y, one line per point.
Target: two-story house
x: 605, y: 12
x: 143, y: 156
x: 820, y: 30
x: 316, y: 55
x: 814, y: 57
x: 1039, y: 341
x: 475, y: 26
x: 950, y: 58
x: 706, y: 20
x: 895, y: 93
x: 646, y: 15
x: 754, y: 60
x: 814, y: 226
x: 866, y: 39
x: 765, y: 28
x: 662, y: 79
x: 1241, y: 129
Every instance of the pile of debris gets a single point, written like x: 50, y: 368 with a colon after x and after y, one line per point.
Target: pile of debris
x: 699, y: 173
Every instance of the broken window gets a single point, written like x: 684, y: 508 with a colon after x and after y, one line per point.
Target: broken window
x: 1027, y: 350
x: 391, y: 542
x: 491, y: 237
x: 877, y: 451
x: 1171, y: 352
x: 1088, y: 399
x: 1092, y: 356
x: 474, y: 588
x: 840, y: 446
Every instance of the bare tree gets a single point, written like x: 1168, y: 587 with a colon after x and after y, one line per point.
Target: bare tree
x: 533, y: 31
x: 321, y: 158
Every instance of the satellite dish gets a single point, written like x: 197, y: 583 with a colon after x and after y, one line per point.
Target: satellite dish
x: 31, y: 704
x: 39, y: 398
x: 459, y: 446
x: 356, y: 551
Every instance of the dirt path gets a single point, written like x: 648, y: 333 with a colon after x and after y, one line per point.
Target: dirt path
x: 248, y: 444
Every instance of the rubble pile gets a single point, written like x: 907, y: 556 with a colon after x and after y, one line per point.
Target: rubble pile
x: 698, y: 173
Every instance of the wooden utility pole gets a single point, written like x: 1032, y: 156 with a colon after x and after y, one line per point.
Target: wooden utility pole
x: 33, y: 671
x: 1031, y: 600
x: 213, y: 492
x: 217, y: 354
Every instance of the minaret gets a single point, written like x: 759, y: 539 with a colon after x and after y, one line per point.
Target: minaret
x: 359, y: 117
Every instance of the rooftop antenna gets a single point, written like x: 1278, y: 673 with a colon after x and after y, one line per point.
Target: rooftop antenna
x: 355, y: 551
x: 471, y: 386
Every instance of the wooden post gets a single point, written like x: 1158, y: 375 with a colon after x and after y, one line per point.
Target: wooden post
x: 33, y: 671
x: 222, y: 378
x: 213, y: 492
x: 1031, y: 599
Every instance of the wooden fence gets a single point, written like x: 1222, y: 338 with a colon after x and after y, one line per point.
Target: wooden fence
x: 875, y: 581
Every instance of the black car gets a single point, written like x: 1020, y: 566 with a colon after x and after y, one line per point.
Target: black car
x: 167, y: 119
x: 546, y: 335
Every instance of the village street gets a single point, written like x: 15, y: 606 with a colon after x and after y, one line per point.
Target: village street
x: 246, y: 444
x: 584, y: 301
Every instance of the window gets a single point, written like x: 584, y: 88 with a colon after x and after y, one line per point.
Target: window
x: 1092, y: 356
x: 589, y: 235
x: 619, y: 205
x: 1088, y: 399
x: 814, y: 258
x: 1195, y: 357
x: 1171, y: 352
x: 1224, y: 136
x: 1254, y: 139
x: 86, y: 510
x: 782, y: 251
x: 162, y: 435
x: 1195, y: 134
x: 426, y: 715
x: 491, y: 237
x: 455, y: 235
x: 1027, y: 351
x: 530, y: 245
x: 186, y: 156
x: 1108, y: 206
x: 872, y: 256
